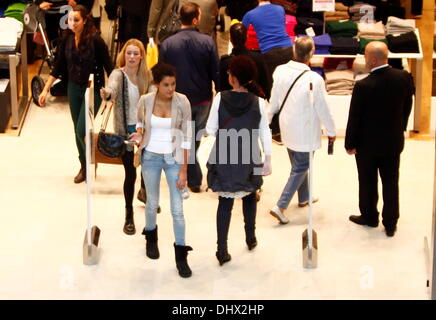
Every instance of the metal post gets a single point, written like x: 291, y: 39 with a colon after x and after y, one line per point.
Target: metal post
x: 433, y: 241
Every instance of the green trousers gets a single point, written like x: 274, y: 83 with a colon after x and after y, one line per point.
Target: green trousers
x: 76, y: 99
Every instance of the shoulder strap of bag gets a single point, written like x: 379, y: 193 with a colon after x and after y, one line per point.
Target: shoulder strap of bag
x: 124, y: 105
x: 103, y: 126
x: 287, y: 94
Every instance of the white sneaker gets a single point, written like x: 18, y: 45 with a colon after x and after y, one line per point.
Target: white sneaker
x: 276, y: 213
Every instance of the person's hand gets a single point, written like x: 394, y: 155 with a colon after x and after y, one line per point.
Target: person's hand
x: 151, y: 42
x: 42, y: 97
x: 332, y: 139
x: 136, y: 137
x: 72, y: 3
x: 183, y: 177
x: 351, y: 151
x: 267, y: 168
x: 45, y: 5
x: 105, y: 93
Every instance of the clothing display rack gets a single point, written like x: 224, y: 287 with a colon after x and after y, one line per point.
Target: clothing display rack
x: 12, y: 60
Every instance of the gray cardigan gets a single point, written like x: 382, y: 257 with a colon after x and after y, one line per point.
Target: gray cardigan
x: 180, y: 121
x: 115, y: 86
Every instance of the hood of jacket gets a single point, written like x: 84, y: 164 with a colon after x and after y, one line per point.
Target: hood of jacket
x: 237, y: 103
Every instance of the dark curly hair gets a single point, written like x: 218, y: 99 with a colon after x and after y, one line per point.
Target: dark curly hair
x: 244, y: 69
x: 162, y: 70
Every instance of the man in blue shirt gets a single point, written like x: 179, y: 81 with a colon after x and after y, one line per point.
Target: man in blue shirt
x: 269, y: 22
x: 195, y: 57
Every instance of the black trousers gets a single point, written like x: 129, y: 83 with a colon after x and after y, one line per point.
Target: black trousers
x: 224, y: 213
x: 276, y: 57
x: 129, y: 178
x: 368, y: 167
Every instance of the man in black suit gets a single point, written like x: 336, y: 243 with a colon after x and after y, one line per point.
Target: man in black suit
x: 379, y: 111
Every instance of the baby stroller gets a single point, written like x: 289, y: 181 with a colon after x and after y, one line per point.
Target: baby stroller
x: 35, y: 22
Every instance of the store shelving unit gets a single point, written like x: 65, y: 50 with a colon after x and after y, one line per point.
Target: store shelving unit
x: 340, y: 104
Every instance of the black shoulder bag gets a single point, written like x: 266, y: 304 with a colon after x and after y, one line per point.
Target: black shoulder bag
x: 170, y: 25
x: 110, y: 144
x: 274, y: 125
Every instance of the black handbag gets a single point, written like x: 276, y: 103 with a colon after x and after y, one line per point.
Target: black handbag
x: 170, y: 25
x: 274, y: 125
x: 110, y: 144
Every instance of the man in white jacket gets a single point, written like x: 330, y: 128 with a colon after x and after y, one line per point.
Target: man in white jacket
x: 300, y: 120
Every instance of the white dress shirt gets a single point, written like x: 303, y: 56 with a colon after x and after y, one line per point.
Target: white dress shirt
x: 300, y: 121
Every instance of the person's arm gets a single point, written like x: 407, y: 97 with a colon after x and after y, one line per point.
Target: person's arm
x: 186, y: 143
x: 322, y: 109
x: 409, y: 101
x: 140, y: 117
x: 246, y: 20
x: 354, y: 117
x: 103, y: 56
x: 276, y: 92
x: 224, y: 82
x: 212, y: 123
x: 265, y: 138
x: 214, y: 65
x: 110, y: 92
x: 59, y: 69
x: 156, y: 9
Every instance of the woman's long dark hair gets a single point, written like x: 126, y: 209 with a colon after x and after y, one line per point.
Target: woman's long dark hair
x: 245, y: 70
x: 89, y: 29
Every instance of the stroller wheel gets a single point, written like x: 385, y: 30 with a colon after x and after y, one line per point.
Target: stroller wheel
x: 37, y: 87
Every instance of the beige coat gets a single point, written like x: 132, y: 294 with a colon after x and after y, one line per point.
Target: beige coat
x: 180, y: 122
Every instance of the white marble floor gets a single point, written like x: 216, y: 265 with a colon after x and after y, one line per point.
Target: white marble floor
x: 44, y: 218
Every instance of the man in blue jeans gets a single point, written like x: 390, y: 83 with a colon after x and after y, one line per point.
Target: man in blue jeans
x: 300, y: 120
x: 195, y: 57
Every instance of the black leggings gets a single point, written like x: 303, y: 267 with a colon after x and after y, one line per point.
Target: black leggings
x: 130, y: 178
x: 224, y: 213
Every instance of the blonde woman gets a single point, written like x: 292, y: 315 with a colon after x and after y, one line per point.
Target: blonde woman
x: 126, y: 84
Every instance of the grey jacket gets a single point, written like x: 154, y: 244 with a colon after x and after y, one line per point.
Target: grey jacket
x: 180, y: 122
x: 115, y: 85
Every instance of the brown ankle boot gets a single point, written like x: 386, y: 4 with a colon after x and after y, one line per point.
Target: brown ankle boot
x: 81, y: 176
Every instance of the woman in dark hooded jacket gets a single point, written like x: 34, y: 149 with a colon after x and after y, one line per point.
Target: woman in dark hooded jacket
x: 238, y: 119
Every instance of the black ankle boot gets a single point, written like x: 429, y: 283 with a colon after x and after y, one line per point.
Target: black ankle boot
x: 129, y: 223
x: 181, y: 260
x: 251, y: 243
x: 223, y: 256
x: 151, y: 248
x: 81, y: 176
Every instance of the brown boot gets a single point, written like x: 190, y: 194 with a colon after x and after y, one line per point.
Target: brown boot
x: 81, y: 176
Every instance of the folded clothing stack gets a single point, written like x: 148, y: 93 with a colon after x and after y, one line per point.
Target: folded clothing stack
x: 392, y: 8
x: 305, y: 9
x: 359, y: 68
x: 291, y: 23
x: 360, y: 10
x: 340, y: 13
x: 305, y: 23
x: 16, y: 11
x: 364, y: 42
x: 403, y: 43
x: 322, y: 43
x: 342, y: 29
x: 344, y: 46
x: 338, y: 64
x: 252, y: 42
x: 373, y: 31
x: 10, y: 31
x: 339, y: 82
x: 398, y: 26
